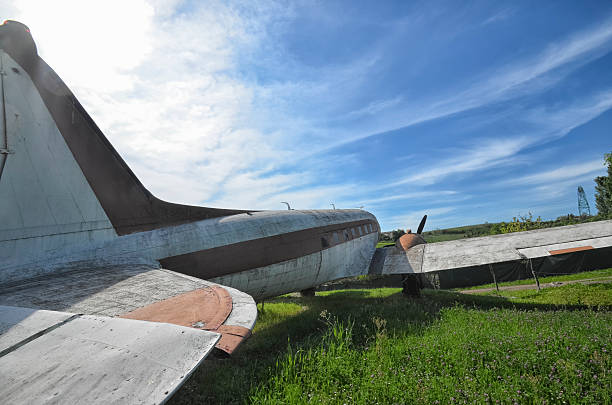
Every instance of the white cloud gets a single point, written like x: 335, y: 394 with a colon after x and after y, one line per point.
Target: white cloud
x: 500, y: 15
x: 560, y: 121
x: 560, y: 174
x: 490, y: 153
x: 411, y: 219
x: 407, y: 196
x: 165, y: 84
x: 91, y: 41
x: 164, y: 87
x: 376, y: 107
x: 527, y: 76
x: 505, y: 149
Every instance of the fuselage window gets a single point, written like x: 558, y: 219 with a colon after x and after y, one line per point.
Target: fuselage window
x: 360, y: 230
x: 324, y: 242
x: 353, y: 232
x: 346, y: 235
x: 335, y: 238
x: 370, y: 225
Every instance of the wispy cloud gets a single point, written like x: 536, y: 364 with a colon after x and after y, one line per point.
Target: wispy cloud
x: 210, y: 103
x: 376, y: 107
x: 527, y: 76
x: 408, y: 196
x: 563, y: 173
x: 500, y: 15
x: 490, y: 153
x: 544, y: 124
x: 163, y: 85
x: 560, y: 120
x: 411, y: 219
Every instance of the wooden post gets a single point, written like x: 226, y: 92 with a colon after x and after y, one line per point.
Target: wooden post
x: 494, y: 278
x: 534, y: 274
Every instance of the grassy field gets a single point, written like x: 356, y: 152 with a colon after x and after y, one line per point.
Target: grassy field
x: 573, y: 294
x: 376, y: 346
x: 469, y: 231
x: 595, y: 274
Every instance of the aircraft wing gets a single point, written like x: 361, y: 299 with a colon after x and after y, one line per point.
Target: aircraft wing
x: 594, y: 238
x: 129, y: 334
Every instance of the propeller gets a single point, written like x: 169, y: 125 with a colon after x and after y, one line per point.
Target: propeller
x: 422, y: 225
x: 410, y: 239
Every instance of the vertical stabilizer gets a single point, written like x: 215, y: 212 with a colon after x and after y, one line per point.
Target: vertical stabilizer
x: 63, y: 168
x: 45, y: 200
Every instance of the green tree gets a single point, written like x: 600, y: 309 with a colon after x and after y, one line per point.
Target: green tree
x: 603, y: 190
x: 520, y: 224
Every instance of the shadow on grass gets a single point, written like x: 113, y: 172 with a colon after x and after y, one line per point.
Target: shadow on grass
x: 450, y: 298
x: 300, y: 322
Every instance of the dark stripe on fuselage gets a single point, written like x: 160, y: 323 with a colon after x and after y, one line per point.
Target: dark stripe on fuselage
x: 252, y: 254
x: 127, y: 203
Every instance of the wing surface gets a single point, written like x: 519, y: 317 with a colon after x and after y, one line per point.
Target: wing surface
x: 129, y: 334
x: 595, y: 237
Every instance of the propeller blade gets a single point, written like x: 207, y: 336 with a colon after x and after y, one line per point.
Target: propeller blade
x: 422, y: 224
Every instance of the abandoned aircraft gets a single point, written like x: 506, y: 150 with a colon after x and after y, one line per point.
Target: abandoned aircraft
x: 110, y: 294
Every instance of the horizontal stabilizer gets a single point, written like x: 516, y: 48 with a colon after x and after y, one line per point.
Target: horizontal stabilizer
x: 58, y: 357
x: 142, y: 293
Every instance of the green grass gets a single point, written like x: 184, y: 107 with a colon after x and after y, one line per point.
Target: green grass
x: 376, y: 346
x: 469, y: 231
x: 605, y: 273
x: 384, y: 244
x: 443, y: 237
x: 573, y: 294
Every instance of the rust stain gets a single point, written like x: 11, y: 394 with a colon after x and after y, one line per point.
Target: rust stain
x: 231, y: 337
x: 204, y: 309
x: 570, y: 250
x: 229, y: 343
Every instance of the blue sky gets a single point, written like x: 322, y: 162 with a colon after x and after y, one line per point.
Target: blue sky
x: 467, y: 111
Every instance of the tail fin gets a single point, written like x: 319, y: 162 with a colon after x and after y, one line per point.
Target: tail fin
x: 58, y: 171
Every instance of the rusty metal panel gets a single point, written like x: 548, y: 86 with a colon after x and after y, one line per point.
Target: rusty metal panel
x: 569, y: 250
x: 207, y: 308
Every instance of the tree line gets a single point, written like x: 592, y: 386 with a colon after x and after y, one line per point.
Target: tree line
x: 603, y: 190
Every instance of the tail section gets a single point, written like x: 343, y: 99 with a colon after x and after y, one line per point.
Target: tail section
x: 45, y: 200
x: 58, y: 172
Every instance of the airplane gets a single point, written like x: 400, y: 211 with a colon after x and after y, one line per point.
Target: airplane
x: 108, y: 293
x: 489, y: 259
